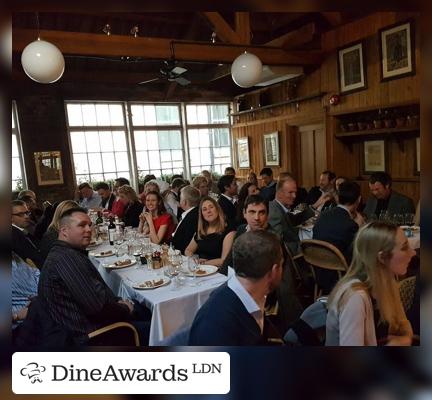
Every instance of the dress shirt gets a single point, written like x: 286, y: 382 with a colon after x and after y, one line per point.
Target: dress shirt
x: 283, y: 207
x: 93, y: 202
x: 345, y: 208
x: 257, y: 311
x: 183, y: 216
x: 231, y: 199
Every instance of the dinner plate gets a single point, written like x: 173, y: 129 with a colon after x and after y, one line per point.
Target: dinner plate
x: 99, y: 254
x: 113, y: 266
x: 152, y: 283
x: 203, y: 270
x: 94, y: 244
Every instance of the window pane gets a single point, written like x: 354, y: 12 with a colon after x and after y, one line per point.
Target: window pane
x: 92, y: 141
x: 149, y: 115
x: 110, y: 176
x: 175, y: 140
x: 193, y: 138
x: 97, y: 178
x: 205, y: 154
x: 167, y: 115
x: 177, y: 155
x: 137, y: 115
x: 204, y: 138
x: 119, y: 139
x: 165, y: 155
x: 78, y: 142
x: 116, y: 114
x: 142, y: 160
x: 122, y: 161
x: 140, y: 140
x: 16, y: 168
x: 152, y: 140
x: 202, y: 114
x: 218, y: 113
x: 74, y: 114
x: 82, y: 178
x: 164, y: 140
x: 80, y: 162
x: 89, y: 114
x: 108, y: 162
x: 15, y: 152
x: 191, y: 114
x: 106, y: 142
x: 102, y: 114
x: 154, y: 159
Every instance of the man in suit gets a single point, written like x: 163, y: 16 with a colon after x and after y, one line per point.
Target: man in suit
x: 384, y: 198
x: 280, y: 217
x: 23, y: 243
x: 268, y: 191
x: 227, y: 185
x: 106, y: 195
x: 234, y: 313
x: 187, y: 226
x: 339, y: 227
x: 322, y: 196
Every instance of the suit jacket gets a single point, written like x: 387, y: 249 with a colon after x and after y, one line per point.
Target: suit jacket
x: 338, y: 228
x: 314, y: 194
x: 285, y: 225
x: 224, y: 321
x: 398, y: 204
x: 25, y: 247
x: 108, y: 203
x: 186, y: 230
x: 229, y: 209
x: 269, y: 192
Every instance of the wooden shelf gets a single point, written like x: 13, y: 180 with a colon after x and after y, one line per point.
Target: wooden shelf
x: 377, y: 132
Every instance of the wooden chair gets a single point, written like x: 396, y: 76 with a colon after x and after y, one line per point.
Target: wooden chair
x: 406, y: 289
x: 105, y: 331
x: 321, y: 254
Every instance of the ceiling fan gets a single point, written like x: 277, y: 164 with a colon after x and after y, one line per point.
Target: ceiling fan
x: 170, y: 72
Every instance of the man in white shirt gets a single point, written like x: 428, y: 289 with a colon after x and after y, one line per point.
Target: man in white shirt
x: 234, y: 313
x: 89, y: 198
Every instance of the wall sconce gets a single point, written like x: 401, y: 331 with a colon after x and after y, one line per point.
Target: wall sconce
x: 107, y: 29
x: 213, y: 37
x: 134, y: 31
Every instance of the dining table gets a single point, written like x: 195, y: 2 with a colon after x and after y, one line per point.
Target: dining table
x: 174, y: 304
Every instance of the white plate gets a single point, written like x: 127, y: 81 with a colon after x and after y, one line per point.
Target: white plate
x: 113, y: 266
x: 206, y: 270
x: 101, y: 254
x: 149, y: 284
x: 94, y: 244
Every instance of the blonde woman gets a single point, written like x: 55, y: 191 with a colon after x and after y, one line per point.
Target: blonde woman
x: 214, y: 238
x: 50, y: 236
x: 201, y: 183
x: 367, y: 297
x: 133, y: 206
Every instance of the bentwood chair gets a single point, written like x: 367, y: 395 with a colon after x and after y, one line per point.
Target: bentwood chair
x: 116, y: 334
x: 406, y: 289
x: 321, y: 254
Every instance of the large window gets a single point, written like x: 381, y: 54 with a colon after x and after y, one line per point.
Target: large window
x: 18, y: 177
x: 157, y: 134
x: 208, y: 137
x: 98, y: 141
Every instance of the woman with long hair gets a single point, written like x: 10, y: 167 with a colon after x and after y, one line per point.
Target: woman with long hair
x: 51, y: 234
x: 201, y: 183
x: 247, y: 189
x: 214, y: 238
x: 155, y: 220
x: 367, y: 300
x: 133, y: 206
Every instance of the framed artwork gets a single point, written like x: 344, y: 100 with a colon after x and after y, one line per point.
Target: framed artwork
x: 271, y: 149
x: 48, y: 168
x: 397, y: 51
x: 351, y: 68
x: 374, y: 156
x: 243, y: 152
x: 417, y: 158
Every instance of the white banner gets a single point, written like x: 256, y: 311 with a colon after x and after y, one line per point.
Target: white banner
x: 120, y: 373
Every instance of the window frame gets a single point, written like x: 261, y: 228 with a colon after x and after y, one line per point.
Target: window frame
x: 17, y: 132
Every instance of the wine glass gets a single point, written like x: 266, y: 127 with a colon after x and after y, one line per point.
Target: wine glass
x: 193, y: 265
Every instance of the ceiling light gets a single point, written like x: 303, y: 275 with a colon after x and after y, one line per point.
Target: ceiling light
x: 107, y: 29
x: 246, y: 70
x: 134, y: 31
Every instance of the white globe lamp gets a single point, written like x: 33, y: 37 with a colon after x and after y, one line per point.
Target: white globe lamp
x: 43, y: 62
x: 246, y: 70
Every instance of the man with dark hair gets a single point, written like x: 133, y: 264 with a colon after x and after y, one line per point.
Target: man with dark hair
x: 188, y: 222
x: 106, y: 195
x: 120, y: 182
x: 23, y: 243
x: 234, y: 313
x: 87, y: 197
x: 322, y: 196
x: 172, y: 198
x: 227, y: 186
x: 384, y: 198
x: 268, y: 190
x: 229, y: 171
x: 71, y: 291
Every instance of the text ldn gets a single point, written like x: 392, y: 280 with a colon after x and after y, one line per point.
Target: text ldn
x: 204, y: 368
x: 62, y: 373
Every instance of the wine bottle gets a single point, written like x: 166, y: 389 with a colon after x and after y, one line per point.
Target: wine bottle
x: 99, y: 219
x: 111, y: 231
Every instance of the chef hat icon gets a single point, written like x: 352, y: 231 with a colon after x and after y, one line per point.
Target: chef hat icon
x: 33, y: 371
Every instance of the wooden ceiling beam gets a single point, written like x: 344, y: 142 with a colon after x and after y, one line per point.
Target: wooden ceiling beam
x: 222, y: 28
x: 242, y: 23
x: 333, y: 18
x: 295, y: 39
x: 159, y: 48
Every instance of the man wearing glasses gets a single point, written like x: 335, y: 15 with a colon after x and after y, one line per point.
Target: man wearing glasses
x: 22, y: 243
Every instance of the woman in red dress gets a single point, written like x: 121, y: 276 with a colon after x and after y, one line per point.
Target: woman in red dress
x: 155, y: 221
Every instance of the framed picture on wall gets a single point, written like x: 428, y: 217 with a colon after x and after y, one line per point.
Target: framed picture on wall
x: 397, y: 51
x: 48, y: 168
x: 243, y: 152
x: 351, y: 68
x: 271, y: 149
x: 417, y: 158
x: 374, y: 156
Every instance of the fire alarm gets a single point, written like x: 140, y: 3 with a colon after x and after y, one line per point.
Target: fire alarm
x: 334, y: 100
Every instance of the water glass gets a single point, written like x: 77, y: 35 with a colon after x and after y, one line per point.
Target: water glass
x: 193, y: 265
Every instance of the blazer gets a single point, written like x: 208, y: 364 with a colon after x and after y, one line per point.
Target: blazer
x: 132, y: 213
x: 285, y: 225
x: 186, y: 230
x: 314, y: 194
x: 338, y: 228
x: 25, y: 247
x: 269, y: 192
x: 229, y: 209
x: 398, y: 204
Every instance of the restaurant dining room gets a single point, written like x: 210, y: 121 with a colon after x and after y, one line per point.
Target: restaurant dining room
x: 215, y: 179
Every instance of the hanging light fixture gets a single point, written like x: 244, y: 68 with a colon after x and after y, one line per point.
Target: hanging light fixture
x: 246, y: 70
x: 42, y: 61
x: 134, y: 31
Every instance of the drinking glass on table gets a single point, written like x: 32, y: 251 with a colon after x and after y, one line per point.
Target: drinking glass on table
x: 193, y: 265
x: 118, y: 241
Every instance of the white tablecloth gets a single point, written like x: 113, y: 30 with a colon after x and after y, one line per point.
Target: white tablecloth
x: 171, y: 309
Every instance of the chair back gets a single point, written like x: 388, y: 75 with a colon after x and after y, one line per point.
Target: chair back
x: 116, y: 334
x: 406, y: 289
x: 324, y: 255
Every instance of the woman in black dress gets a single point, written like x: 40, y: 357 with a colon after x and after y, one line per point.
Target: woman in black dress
x: 133, y: 206
x: 214, y: 239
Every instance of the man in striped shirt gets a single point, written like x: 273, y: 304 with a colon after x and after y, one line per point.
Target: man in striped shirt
x: 76, y: 297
